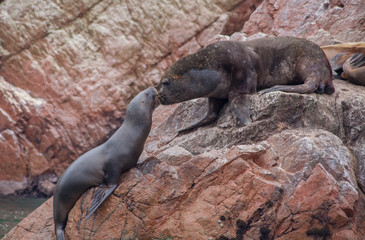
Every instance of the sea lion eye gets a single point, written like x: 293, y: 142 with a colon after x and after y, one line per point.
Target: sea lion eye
x: 175, y: 77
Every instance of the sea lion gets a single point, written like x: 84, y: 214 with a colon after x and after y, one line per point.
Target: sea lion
x: 354, y: 69
x: 230, y: 70
x: 352, y: 47
x: 339, y: 55
x: 103, y: 165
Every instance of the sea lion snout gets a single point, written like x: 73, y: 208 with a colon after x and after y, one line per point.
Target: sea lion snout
x: 151, y: 97
x: 162, y: 99
x: 156, y: 97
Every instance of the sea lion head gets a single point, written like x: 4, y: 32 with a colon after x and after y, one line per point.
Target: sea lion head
x: 143, y: 104
x: 194, y: 83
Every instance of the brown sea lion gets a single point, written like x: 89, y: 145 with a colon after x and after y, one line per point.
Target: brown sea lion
x: 231, y: 70
x: 354, y: 69
x: 338, y: 54
x: 352, y: 47
x: 103, y: 165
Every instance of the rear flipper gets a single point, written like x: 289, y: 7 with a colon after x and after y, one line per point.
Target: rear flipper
x: 60, y: 233
x: 302, y: 88
x: 214, y: 107
x: 242, y: 107
x: 100, y: 195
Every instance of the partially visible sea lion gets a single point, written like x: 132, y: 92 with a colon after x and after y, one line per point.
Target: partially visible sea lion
x: 354, y: 69
x: 231, y: 70
x: 103, y: 165
x: 338, y: 55
x: 352, y: 47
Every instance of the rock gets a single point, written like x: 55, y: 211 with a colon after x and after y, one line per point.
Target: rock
x: 68, y: 70
x: 288, y: 175
x: 11, y: 187
x: 296, y: 172
x: 46, y: 187
x: 39, y: 223
x: 324, y: 22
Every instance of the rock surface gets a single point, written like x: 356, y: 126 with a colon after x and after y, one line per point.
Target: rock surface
x: 69, y: 68
x: 288, y: 175
x: 324, y: 22
x: 297, y: 172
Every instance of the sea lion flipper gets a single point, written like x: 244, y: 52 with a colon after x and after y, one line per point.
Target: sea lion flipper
x: 354, y: 69
x: 357, y: 60
x: 214, y: 107
x: 101, y: 194
x: 242, y: 107
x: 311, y: 84
x: 337, y: 61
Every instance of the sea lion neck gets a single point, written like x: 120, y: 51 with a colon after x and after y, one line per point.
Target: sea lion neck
x: 203, y: 59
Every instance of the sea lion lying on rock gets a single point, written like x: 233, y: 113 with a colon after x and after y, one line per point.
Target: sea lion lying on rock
x: 347, y: 61
x: 230, y: 70
x: 354, y: 69
x: 103, y: 165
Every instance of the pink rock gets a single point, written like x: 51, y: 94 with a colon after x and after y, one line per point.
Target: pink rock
x: 291, y: 182
x: 342, y: 20
x: 68, y: 70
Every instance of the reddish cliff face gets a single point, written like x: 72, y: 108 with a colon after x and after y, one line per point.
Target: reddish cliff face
x: 297, y: 172
x: 69, y: 68
x: 324, y: 22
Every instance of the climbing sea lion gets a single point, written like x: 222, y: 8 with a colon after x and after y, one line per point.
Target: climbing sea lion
x: 231, y: 70
x: 103, y: 165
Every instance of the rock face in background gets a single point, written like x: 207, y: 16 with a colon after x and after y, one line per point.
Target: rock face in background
x: 68, y: 70
x: 324, y: 22
x: 288, y: 175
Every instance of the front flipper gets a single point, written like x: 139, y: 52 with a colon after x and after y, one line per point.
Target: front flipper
x: 100, y: 195
x: 214, y: 107
x: 242, y: 107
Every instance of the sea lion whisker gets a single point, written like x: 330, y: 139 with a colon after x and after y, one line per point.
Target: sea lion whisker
x: 158, y: 95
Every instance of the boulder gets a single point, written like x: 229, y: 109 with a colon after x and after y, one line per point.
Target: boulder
x: 291, y: 174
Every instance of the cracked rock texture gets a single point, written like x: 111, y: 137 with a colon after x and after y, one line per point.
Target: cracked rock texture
x: 324, y: 22
x: 69, y: 68
x: 291, y: 174
x: 66, y: 73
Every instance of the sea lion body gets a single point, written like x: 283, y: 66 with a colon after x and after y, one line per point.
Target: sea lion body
x: 103, y: 165
x: 231, y: 70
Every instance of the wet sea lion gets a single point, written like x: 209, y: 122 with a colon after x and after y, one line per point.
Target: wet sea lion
x: 103, y: 165
x: 230, y: 70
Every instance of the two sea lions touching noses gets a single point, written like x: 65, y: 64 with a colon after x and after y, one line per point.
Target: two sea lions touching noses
x: 221, y: 71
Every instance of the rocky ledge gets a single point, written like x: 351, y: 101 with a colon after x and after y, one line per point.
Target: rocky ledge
x: 297, y: 172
